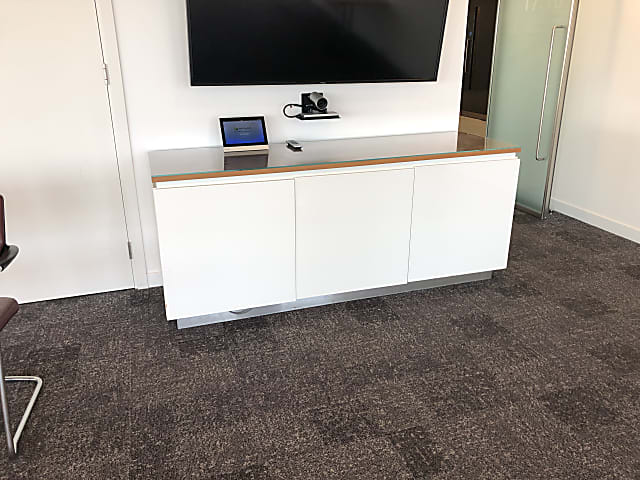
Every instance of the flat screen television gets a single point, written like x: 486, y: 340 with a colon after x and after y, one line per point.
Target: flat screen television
x: 266, y: 42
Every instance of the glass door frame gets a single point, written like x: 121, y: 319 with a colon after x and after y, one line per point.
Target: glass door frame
x: 566, y: 63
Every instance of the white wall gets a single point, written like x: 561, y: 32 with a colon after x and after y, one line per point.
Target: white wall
x: 598, y: 170
x: 165, y: 112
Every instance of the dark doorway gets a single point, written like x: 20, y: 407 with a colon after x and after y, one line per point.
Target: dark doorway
x: 478, y: 57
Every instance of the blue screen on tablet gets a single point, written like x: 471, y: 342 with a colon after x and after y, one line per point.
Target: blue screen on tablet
x: 249, y: 131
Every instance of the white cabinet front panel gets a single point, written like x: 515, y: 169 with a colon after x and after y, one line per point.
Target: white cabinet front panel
x: 352, y: 231
x: 226, y: 247
x: 462, y: 217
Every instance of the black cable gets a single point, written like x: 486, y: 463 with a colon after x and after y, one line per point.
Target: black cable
x: 289, y: 105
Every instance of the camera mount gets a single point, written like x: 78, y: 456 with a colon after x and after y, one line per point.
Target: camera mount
x: 314, y: 107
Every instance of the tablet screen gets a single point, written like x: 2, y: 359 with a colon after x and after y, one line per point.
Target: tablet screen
x: 245, y: 131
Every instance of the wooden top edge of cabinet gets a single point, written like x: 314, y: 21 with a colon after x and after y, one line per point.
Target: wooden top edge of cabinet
x: 326, y: 166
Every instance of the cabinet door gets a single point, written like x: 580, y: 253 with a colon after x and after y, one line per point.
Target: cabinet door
x: 462, y: 217
x: 226, y: 247
x: 352, y: 231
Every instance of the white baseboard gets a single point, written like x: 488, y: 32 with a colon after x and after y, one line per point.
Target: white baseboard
x: 592, y: 218
x: 155, y: 279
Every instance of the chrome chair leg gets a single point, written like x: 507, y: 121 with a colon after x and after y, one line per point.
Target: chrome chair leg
x: 27, y: 412
x: 5, y: 413
x: 12, y: 440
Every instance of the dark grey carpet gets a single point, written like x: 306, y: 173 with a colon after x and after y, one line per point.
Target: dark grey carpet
x: 533, y: 374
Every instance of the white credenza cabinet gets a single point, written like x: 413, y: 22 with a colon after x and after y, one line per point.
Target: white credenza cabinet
x: 291, y: 240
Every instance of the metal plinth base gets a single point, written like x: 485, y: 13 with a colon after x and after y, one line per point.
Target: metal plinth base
x: 12, y: 440
x: 329, y: 299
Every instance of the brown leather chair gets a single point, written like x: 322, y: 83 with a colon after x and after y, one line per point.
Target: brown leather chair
x: 8, y: 308
x: 7, y: 252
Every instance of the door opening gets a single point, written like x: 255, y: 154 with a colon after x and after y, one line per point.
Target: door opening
x: 478, y: 56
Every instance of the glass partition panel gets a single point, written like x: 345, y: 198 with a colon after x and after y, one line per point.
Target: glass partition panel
x: 527, y: 72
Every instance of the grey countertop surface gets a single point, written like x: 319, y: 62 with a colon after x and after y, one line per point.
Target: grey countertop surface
x: 212, y: 161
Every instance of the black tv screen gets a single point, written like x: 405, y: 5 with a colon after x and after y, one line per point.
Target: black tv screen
x: 262, y: 42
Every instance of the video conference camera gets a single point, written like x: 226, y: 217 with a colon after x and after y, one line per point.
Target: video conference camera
x: 314, y: 107
x: 314, y: 102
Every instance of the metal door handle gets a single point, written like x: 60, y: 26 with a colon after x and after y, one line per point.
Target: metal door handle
x: 546, y: 88
x: 466, y: 53
x: 470, y: 45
